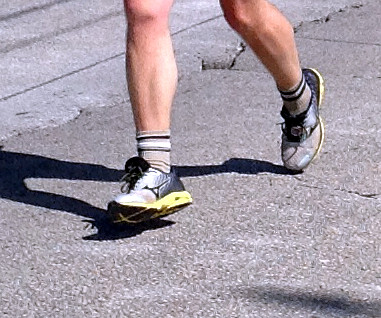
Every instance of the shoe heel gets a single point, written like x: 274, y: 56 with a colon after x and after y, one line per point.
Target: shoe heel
x: 321, y: 86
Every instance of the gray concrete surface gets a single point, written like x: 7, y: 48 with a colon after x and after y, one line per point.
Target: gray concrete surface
x: 257, y: 242
x: 51, y: 52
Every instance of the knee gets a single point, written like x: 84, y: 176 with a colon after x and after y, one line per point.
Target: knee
x: 242, y: 14
x: 147, y: 11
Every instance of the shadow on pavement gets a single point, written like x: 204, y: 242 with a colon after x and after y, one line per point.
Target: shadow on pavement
x: 237, y: 165
x: 108, y: 231
x: 16, y: 167
x: 325, y: 303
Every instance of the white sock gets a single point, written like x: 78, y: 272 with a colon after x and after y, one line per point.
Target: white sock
x: 155, y: 148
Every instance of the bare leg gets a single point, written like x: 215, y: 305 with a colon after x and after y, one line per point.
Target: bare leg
x: 152, y: 79
x: 270, y: 36
x: 150, y: 63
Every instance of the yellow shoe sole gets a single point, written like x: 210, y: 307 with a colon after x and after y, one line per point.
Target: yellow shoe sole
x: 134, y: 213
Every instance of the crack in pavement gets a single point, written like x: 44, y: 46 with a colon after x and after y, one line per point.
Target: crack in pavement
x: 228, y: 65
x: 328, y: 17
x: 373, y: 196
x: 224, y: 65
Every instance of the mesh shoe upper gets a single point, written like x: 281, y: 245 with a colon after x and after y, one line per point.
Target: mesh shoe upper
x: 144, y: 184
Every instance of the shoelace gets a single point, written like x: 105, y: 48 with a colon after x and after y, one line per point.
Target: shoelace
x: 294, y: 127
x: 131, y: 178
x: 137, y: 179
x: 294, y: 130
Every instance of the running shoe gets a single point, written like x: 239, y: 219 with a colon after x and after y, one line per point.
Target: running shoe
x: 303, y: 135
x: 147, y: 193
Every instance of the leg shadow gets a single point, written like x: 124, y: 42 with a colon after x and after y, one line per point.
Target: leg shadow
x: 234, y: 165
x: 15, y: 168
x: 326, y: 303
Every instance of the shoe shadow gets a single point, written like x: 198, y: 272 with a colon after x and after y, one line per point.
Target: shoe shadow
x: 108, y: 231
x: 16, y: 167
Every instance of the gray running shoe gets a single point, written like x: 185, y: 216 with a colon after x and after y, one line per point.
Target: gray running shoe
x: 303, y: 135
x: 148, y: 193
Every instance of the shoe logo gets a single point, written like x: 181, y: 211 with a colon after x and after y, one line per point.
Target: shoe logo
x: 159, y: 188
x: 296, y: 131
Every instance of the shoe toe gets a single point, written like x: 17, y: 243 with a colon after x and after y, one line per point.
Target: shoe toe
x: 142, y: 196
x: 295, y: 162
x: 297, y: 156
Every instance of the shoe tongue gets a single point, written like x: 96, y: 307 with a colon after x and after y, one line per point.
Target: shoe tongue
x: 152, y: 174
x: 149, y: 179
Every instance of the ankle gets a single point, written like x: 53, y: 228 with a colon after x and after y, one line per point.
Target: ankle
x: 155, y: 148
x: 297, y: 99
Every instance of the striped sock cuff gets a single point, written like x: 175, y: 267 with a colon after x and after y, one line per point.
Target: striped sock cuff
x: 296, y: 92
x: 155, y: 147
x: 297, y: 99
x: 154, y: 141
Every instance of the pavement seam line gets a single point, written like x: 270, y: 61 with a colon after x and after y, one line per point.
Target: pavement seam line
x: 96, y: 63
x: 173, y: 34
x: 81, y: 25
x: 25, y: 11
x: 61, y: 77
x: 338, y: 41
x: 197, y: 24
x: 373, y: 196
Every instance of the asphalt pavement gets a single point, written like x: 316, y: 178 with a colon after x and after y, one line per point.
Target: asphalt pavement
x: 258, y: 241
